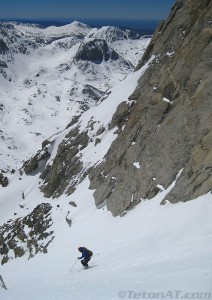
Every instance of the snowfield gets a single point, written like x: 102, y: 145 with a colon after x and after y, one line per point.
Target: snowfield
x: 152, y: 249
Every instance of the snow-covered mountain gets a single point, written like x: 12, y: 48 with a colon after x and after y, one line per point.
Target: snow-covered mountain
x: 135, y: 145
x: 48, y: 75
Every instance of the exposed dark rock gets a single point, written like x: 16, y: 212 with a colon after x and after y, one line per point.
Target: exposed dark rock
x: 169, y: 127
x: 96, y: 51
x: 100, y: 130
x: 63, y: 174
x: 45, y: 143
x: 72, y: 203
x: 73, y: 121
x: 3, y: 64
x: 30, y: 234
x: 2, y: 71
x: 92, y: 92
x: 3, y: 179
x: 97, y: 141
x: 3, y: 47
x: 39, y: 160
x: 121, y: 115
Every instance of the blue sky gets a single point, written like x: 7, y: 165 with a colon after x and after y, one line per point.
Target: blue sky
x: 90, y: 9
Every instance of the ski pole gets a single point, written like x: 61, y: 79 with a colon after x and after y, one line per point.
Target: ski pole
x: 3, y: 284
x: 96, y: 254
x: 73, y: 265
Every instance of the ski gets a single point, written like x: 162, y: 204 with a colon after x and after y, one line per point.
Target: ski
x: 84, y: 269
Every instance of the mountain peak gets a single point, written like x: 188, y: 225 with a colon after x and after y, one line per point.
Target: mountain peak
x: 96, y: 51
x: 112, y: 33
x: 79, y: 24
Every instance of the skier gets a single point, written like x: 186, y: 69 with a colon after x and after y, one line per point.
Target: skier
x: 86, y: 256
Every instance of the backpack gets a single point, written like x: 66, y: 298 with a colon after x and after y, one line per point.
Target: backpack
x: 89, y: 251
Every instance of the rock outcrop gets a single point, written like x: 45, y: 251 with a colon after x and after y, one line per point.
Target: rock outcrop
x: 64, y: 173
x: 168, y: 132
x: 111, y: 34
x: 3, y: 179
x: 30, y: 234
x: 96, y: 51
x: 3, y: 47
x: 38, y: 161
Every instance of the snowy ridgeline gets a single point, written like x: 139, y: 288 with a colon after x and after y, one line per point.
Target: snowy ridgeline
x: 48, y: 76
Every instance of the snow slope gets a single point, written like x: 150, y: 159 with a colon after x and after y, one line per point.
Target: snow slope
x: 153, y: 248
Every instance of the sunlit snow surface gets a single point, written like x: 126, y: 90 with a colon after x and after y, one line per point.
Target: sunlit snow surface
x: 153, y: 248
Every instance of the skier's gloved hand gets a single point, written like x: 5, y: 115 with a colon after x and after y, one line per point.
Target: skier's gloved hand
x: 78, y: 257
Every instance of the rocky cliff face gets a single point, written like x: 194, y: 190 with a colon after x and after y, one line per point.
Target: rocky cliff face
x: 167, y: 134
x: 30, y: 234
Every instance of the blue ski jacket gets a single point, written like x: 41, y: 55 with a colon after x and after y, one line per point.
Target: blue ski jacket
x: 85, y: 253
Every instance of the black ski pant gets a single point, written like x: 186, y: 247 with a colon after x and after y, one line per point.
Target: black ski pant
x: 85, y: 261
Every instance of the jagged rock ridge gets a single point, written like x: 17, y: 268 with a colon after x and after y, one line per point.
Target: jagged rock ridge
x: 111, y: 34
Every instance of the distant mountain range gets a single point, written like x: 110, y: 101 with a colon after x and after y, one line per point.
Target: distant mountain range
x: 50, y: 74
x: 143, y: 27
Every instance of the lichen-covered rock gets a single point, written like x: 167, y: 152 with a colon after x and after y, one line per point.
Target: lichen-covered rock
x: 168, y: 130
x: 28, y: 235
